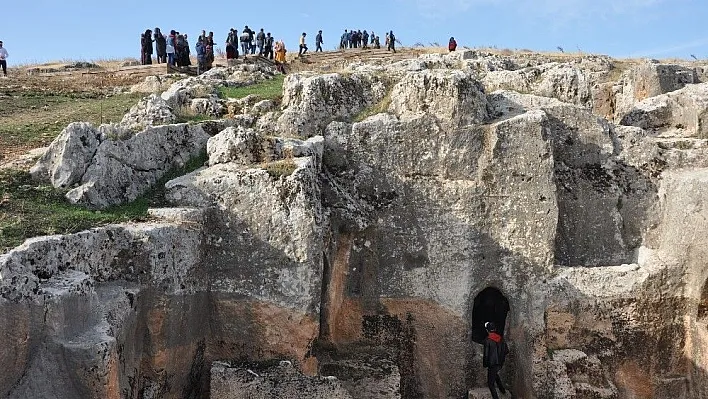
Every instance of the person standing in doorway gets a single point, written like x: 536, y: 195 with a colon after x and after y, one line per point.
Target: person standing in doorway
x: 3, y: 59
x: 495, y: 351
x: 318, y: 42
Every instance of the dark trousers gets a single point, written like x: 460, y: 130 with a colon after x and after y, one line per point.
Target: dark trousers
x: 268, y: 52
x: 493, y: 379
x: 392, y: 46
x: 3, y: 64
x: 303, y: 49
x: 318, y: 48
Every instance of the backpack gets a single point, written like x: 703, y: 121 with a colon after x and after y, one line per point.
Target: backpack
x: 245, y: 37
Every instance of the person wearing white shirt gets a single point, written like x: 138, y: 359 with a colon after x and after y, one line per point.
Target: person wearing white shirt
x: 3, y: 59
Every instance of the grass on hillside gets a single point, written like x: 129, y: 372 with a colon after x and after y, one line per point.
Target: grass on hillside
x: 29, y: 209
x: 283, y: 167
x: 31, y: 120
x: 271, y: 89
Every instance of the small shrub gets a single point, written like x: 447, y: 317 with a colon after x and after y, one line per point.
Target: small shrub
x: 378, y: 108
x: 186, y: 114
x: 284, y: 167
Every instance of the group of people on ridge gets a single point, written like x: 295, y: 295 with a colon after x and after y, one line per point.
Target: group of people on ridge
x: 172, y: 49
x: 358, y: 39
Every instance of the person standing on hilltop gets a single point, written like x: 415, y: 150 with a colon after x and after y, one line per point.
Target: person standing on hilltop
x: 318, y: 42
x: 303, y: 45
x: 391, y: 39
x: 160, y: 46
x: 268, y: 46
x: 147, y: 47
x: 495, y: 351
x: 452, y: 45
x: 245, y: 40
x: 3, y: 59
x: 364, y: 40
x: 260, y: 42
x: 170, y: 46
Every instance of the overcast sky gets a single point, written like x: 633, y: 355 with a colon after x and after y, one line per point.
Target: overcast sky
x: 44, y: 30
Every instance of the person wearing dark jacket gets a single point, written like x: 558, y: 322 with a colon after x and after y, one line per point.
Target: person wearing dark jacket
x: 452, y: 44
x: 160, y: 46
x: 147, y: 47
x: 495, y: 351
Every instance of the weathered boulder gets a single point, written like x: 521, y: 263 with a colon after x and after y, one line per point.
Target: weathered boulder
x: 211, y: 106
x: 648, y: 80
x: 121, y: 171
x: 151, y: 110
x: 238, y: 145
x: 67, y: 158
x: 452, y: 96
x: 311, y: 102
x: 154, y: 84
x: 682, y: 113
x: 563, y: 81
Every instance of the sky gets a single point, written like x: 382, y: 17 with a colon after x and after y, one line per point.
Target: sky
x: 51, y: 30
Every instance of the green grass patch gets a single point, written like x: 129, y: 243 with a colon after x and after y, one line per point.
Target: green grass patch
x: 380, y: 107
x: 29, y: 209
x: 284, y: 167
x: 31, y: 120
x: 271, y: 89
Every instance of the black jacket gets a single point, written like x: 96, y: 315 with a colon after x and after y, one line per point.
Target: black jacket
x: 495, y: 351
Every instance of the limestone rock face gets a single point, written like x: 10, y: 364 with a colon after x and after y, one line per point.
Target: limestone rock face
x: 565, y: 82
x: 67, y: 158
x: 121, y: 171
x: 311, y: 102
x: 679, y: 113
x: 363, y: 263
x: 151, y: 110
x: 452, y: 96
x: 650, y: 80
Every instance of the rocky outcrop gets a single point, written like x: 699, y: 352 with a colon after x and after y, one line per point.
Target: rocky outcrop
x: 67, y: 158
x: 452, y: 96
x: 150, y: 111
x: 121, y: 171
x: 311, y: 102
x: 369, y: 258
x: 679, y: 113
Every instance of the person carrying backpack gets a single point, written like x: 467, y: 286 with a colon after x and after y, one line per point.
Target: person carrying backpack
x: 452, y: 45
x: 495, y: 351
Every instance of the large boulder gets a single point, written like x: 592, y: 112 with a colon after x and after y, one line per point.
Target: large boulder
x: 67, y: 158
x: 239, y: 145
x: 563, y: 81
x: 311, y: 102
x: 150, y: 111
x: 451, y: 95
x: 122, y: 170
x: 649, y: 80
x: 682, y: 113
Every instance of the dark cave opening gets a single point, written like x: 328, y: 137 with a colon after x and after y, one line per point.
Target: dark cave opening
x: 489, y: 305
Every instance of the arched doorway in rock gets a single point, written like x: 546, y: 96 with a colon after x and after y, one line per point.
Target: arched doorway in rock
x: 703, y: 303
x: 489, y: 305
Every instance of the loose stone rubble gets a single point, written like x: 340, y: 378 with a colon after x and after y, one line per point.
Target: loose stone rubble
x: 347, y: 241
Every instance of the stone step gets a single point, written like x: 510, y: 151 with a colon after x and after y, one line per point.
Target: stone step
x: 480, y: 393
